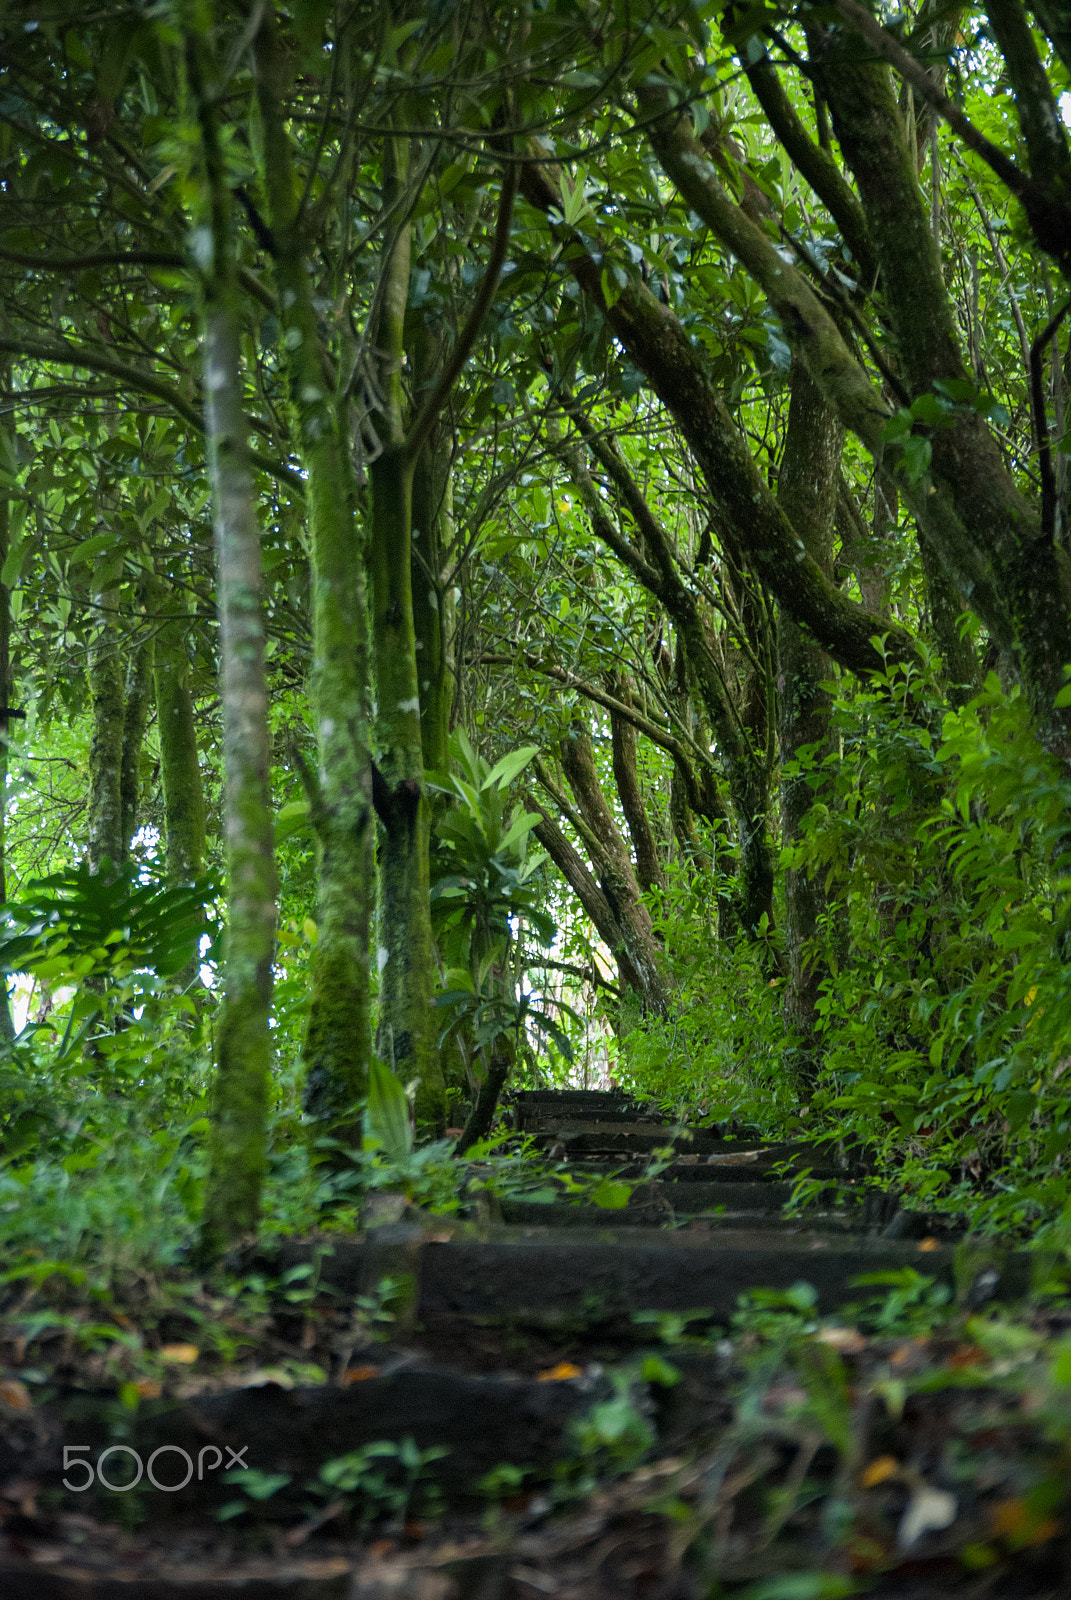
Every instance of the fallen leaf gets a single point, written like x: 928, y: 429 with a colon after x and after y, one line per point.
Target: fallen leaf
x: 929, y: 1243
x: 558, y: 1374
x: 928, y: 1511
x: 149, y: 1389
x: 967, y: 1355
x: 880, y: 1470
x: 848, y: 1340
x: 358, y: 1375
x: 1006, y: 1517
x: 15, y: 1395
x: 184, y: 1354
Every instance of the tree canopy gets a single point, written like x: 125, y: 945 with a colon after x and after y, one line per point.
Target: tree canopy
x: 553, y: 521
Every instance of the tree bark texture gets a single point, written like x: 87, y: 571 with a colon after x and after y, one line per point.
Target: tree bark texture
x: 106, y: 690
x: 630, y: 793
x: 595, y: 903
x: 180, y: 766
x: 237, y: 1152
x: 137, y: 698
x: 807, y: 488
x: 8, y: 459
x: 1025, y: 571
x: 338, y: 1037
x: 613, y: 865
x: 432, y: 519
x: 656, y: 568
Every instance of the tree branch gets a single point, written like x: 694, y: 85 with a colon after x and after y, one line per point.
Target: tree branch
x: 1049, y: 217
x: 66, y: 355
x: 817, y: 166
x: 429, y: 411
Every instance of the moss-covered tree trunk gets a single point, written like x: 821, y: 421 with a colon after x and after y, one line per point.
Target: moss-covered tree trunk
x: 180, y: 766
x: 405, y: 1036
x: 137, y: 700
x: 1028, y: 574
x: 432, y: 536
x: 807, y: 489
x: 649, y: 871
x: 106, y: 693
x: 405, y: 1033
x: 9, y: 461
x: 240, y: 1097
x: 613, y: 864
x: 338, y: 1039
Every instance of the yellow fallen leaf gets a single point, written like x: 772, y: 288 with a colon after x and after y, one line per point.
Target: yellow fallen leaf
x: 558, y: 1374
x: 184, y: 1354
x: 15, y: 1395
x: 929, y: 1243
x: 880, y: 1470
x: 358, y: 1375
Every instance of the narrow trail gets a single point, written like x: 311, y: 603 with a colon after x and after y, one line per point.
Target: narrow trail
x: 506, y: 1329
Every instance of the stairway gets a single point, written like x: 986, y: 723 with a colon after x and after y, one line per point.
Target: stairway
x: 505, y: 1323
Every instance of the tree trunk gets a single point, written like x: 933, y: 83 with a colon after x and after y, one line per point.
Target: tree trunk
x: 405, y: 1036
x: 432, y: 519
x: 1029, y: 575
x: 595, y: 903
x: 180, y: 767
x: 630, y: 793
x: 240, y: 1101
x: 614, y: 867
x: 482, y: 1114
x: 807, y: 488
x: 106, y: 687
x: 337, y: 1041
x: 137, y: 694
x: 9, y: 460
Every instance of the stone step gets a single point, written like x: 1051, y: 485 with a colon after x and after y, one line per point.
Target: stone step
x: 652, y: 1214
x: 608, y: 1273
x: 578, y: 1138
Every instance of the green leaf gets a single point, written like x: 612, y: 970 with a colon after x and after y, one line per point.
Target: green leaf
x: 514, y: 762
x: 611, y: 1196
x: 388, y: 1113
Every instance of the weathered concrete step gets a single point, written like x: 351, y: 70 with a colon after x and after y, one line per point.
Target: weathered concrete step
x: 651, y: 1214
x: 616, y: 1272
x: 698, y: 1169
x: 684, y: 1195
x: 578, y: 1137
x: 474, y: 1423
x: 70, y: 1575
x: 543, y: 1272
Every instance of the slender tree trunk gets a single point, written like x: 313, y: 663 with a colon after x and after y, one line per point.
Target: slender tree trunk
x: 614, y: 866
x: 137, y: 696
x: 595, y: 903
x: 338, y: 1041
x: 9, y: 460
x: 106, y: 689
x: 180, y: 767
x: 405, y: 1035
x: 240, y: 1102
x: 630, y: 793
x: 432, y: 517
x: 807, y: 489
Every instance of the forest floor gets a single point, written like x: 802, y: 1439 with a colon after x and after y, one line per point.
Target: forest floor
x: 906, y: 1438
